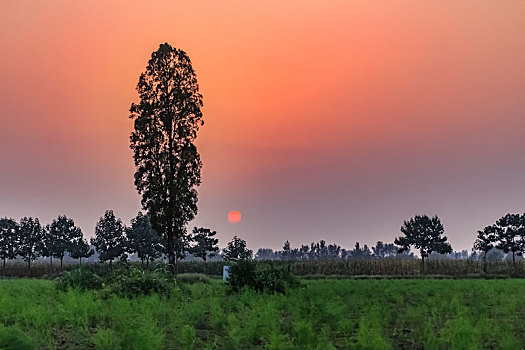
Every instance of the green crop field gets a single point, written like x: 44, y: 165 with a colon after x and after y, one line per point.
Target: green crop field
x: 320, y: 314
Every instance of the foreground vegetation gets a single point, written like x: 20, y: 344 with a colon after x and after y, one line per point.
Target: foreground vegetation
x: 320, y: 314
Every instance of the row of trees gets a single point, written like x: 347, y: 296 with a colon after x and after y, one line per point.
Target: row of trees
x: 28, y: 239
x: 323, y: 251
x: 113, y: 240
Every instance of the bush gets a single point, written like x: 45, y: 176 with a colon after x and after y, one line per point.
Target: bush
x: 132, y: 281
x: 125, y: 281
x: 270, y: 279
x: 80, y: 278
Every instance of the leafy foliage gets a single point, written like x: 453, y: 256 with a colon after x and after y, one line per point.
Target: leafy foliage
x: 143, y: 239
x: 425, y: 234
x: 8, y: 239
x: 271, y: 278
x: 205, y: 243
x: 237, y: 250
x: 131, y: 281
x: 80, y: 278
x: 59, y: 237
x: 109, y: 237
x: 30, y: 237
x: 166, y: 121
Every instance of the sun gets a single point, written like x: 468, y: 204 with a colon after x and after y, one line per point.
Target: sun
x: 234, y: 216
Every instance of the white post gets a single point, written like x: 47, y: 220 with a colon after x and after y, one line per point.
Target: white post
x: 225, y: 273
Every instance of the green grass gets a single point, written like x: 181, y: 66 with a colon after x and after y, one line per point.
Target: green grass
x: 321, y: 314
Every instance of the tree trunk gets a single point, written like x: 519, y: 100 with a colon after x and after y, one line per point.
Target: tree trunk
x: 80, y: 261
x: 514, y: 261
x: 205, y: 266
x: 422, y: 264
x: 171, y: 252
x: 4, y: 264
x: 61, y: 259
x: 51, y: 260
x: 485, y: 263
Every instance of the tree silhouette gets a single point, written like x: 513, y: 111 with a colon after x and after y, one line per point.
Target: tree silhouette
x: 485, y: 242
x: 109, y: 237
x: 30, y: 236
x: 206, y: 245
x: 143, y: 239
x: 59, y: 237
x: 425, y: 234
x: 511, y: 231
x: 237, y: 250
x: 8, y: 239
x: 79, y: 249
x: 166, y: 121
x: 384, y: 250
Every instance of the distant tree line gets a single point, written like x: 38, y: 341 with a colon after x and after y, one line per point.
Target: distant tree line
x: 29, y: 240
x: 323, y: 251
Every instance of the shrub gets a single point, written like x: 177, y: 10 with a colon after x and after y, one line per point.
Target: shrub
x: 125, y: 281
x: 80, y: 278
x: 242, y: 274
x: 271, y: 279
x: 133, y: 281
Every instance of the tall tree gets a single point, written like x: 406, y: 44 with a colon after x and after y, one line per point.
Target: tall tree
x: 485, y: 242
x: 237, y: 250
x: 60, y: 235
x: 205, y: 244
x: 8, y: 239
x: 511, y: 232
x: 31, y: 235
x: 143, y: 239
x: 425, y: 234
x: 166, y: 121
x: 109, y: 237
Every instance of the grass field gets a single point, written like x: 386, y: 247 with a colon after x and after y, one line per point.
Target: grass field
x: 321, y: 314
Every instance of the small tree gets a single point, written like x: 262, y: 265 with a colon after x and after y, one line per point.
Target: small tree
x: 206, y: 244
x: 384, y: 250
x: 425, y: 234
x: 8, y: 239
x: 109, y: 237
x: 60, y: 235
x: 237, y: 250
x: 30, y: 239
x: 511, y: 229
x: 485, y: 242
x: 79, y: 249
x: 143, y: 239
x: 287, y: 251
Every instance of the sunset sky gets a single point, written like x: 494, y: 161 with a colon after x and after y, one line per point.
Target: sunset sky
x: 332, y: 120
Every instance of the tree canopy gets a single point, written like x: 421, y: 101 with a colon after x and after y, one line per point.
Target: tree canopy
x: 425, y: 234
x: 166, y: 121
x: 109, y: 237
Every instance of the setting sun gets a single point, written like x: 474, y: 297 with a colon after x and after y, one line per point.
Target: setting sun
x: 234, y: 216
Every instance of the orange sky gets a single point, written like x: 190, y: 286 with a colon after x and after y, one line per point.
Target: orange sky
x: 323, y: 119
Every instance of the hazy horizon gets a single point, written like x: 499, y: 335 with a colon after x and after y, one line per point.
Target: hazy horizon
x: 323, y: 120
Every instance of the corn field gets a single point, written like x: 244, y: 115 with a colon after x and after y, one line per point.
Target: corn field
x: 353, y: 268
